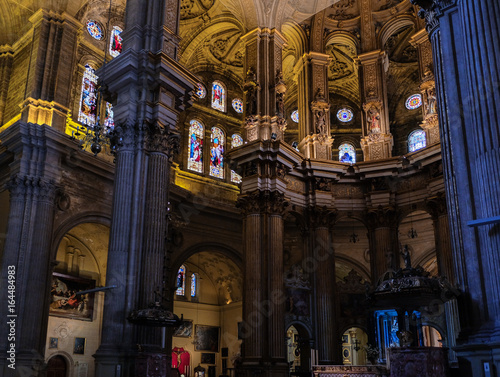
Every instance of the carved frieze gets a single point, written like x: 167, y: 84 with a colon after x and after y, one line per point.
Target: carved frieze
x: 263, y: 202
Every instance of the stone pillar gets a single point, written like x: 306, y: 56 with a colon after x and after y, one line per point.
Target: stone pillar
x: 466, y: 66
x: 377, y: 141
x: 313, y: 105
x: 263, y: 325
x: 383, y: 238
x: 328, y: 339
x: 27, y: 253
x: 6, y: 58
x: 427, y: 86
x: 52, y: 62
x: 264, y: 89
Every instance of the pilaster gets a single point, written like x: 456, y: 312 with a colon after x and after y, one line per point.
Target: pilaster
x: 377, y: 140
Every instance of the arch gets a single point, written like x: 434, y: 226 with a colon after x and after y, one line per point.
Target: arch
x: 67, y: 360
x: 393, y: 26
x: 296, y: 37
x: 353, y: 264
x: 344, y: 38
x: 347, y: 153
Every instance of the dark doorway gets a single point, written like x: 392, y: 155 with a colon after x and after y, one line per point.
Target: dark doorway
x: 56, y: 367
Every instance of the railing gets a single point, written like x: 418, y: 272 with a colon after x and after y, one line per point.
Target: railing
x: 350, y: 371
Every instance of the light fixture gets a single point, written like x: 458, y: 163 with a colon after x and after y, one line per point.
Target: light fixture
x: 357, y: 345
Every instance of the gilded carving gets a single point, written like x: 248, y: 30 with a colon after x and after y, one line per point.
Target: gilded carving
x: 194, y: 8
x: 370, y: 78
x: 225, y: 47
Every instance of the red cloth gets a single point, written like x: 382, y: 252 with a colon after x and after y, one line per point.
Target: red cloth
x: 181, y: 360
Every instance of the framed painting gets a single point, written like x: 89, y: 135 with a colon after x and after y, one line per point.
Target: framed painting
x: 208, y: 358
x: 53, y: 343
x: 185, y: 329
x: 297, y: 302
x: 79, y: 347
x: 66, y: 299
x: 207, y: 338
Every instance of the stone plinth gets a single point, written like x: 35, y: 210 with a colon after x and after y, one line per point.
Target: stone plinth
x: 418, y: 361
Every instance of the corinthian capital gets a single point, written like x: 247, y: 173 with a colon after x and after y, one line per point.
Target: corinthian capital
x: 431, y: 10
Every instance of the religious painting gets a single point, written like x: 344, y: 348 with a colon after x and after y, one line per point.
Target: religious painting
x: 297, y: 302
x: 208, y: 358
x: 185, y: 329
x: 195, y: 153
x: 79, y: 347
x: 115, y: 43
x: 88, y: 100
x: 53, y: 343
x: 66, y: 299
x: 218, y: 96
x: 217, y: 153
x: 207, y: 338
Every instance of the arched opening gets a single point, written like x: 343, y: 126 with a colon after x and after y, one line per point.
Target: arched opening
x: 211, y: 306
x: 57, y: 367
x: 298, y: 347
x: 432, y: 337
x: 354, y: 341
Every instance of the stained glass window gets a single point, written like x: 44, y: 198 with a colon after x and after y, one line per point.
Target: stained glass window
x: 201, y: 92
x: 218, y: 96
x: 295, y: 116
x: 216, y: 153
x: 88, y: 99
x: 238, y: 105
x: 194, y: 283
x: 413, y: 102
x: 195, y: 157
x: 109, y: 121
x: 236, y: 141
x: 115, y: 42
x: 345, y: 115
x: 94, y: 29
x: 347, y: 153
x: 181, y: 281
x: 416, y: 140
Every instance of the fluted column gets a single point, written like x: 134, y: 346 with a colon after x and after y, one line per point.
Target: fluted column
x: 326, y: 327
x: 6, y: 58
x: 427, y: 86
x: 383, y: 238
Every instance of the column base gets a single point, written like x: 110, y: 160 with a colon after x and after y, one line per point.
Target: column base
x: 318, y: 147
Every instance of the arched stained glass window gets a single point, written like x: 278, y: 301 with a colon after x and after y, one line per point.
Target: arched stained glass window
x: 115, y: 42
x: 413, y: 102
x: 195, y: 152
x: 216, y: 153
x: 218, y: 96
x: 345, y: 115
x: 295, y: 116
x: 236, y: 141
x: 94, y: 29
x: 201, y: 92
x: 181, y: 281
x: 109, y: 121
x: 88, y: 99
x: 347, y: 153
x: 416, y: 140
x: 238, y: 105
x: 194, y: 285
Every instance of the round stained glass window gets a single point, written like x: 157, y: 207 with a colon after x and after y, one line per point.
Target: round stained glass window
x: 413, y: 102
x: 295, y: 116
x: 345, y: 115
x: 238, y: 105
x: 94, y: 29
x: 201, y: 92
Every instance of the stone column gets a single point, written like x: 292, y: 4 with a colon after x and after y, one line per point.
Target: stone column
x: 313, y: 105
x: 383, y: 238
x: 6, y: 58
x: 328, y: 343
x: 466, y: 66
x: 52, y: 62
x: 427, y: 86
x: 263, y: 325
x: 377, y: 140
x: 264, y: 88
x: 27, y: 253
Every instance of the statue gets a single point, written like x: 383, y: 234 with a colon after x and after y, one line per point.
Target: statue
x: 431, y: 101
x: 320, y: 122
x: 406, y: 257
x: 373, y: 118
x: 251, y: 87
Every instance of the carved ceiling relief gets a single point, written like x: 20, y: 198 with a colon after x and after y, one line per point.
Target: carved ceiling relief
x: 386, y: 4
x: 399, y: 49
x: 194, y: 8
x: 342, y: 64
x: 344, y: 10
x: 226, y: 47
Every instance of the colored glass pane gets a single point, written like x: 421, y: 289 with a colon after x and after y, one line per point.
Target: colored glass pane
x: 235, y: 177
x: 193, y: 285
x: 236, y: 141
x: 201, y: 92
x: 217, y: 153
x: 345, y: 115
x: 413, y: 102
x: 181, y: 281
x: 238, y: 105
x: 347, y: 153
x: 94, y: 29
x: 218, y: 96
x: 417, y: 140
x: 295, y: 116
x: 109, y: 121
x: 115, y: 42
x: 195, y: 152
x: 88, y: 98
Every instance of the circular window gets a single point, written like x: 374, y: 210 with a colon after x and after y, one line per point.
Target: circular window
x: 94, y: 29
x: 201, y: 92
x: 238, y: 105
x: 345, y: 115
x: 413, y: 102
x: 295, y: 116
